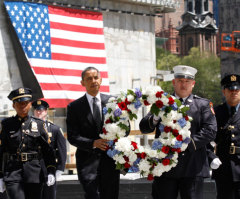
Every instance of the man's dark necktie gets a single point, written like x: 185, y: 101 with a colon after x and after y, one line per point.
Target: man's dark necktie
x: 181, y: 100
x: 96, y: 114
x: 233, y: 110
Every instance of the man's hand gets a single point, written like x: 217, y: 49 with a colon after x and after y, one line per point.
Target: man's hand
x: 51, y: 180
x: 215, y: 163
x: 101, y: 144
x: 2, y: 186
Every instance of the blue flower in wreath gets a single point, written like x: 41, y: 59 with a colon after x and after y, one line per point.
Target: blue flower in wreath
x: 174, y: 106
x: 161, y: 128
x: 187, y: 140
x: 133, y: 169
x: 178, y: 144
x: 138, y: 92
x: 112, y: 153
x: 137, y: 104
x: 156, y: 145
x: 182, y: 122
x: 136, y: 162
x: 111, y: 143
x: 105, y: 110
x: 170, y: 156
x: 117, y: 112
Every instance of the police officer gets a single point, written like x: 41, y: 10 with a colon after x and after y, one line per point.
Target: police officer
x: 26, y: 158
x: 58, y: 143
x: 226, y: 162
x: 187, y: 177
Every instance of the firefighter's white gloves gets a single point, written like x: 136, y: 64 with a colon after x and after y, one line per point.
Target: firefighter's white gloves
x: 51, y: 180
x: 2, y: 186
x: 155, y: 119
x: 59, y: 175
x: 215, y: 163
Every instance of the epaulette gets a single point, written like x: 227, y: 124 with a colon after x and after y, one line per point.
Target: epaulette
x: 49, y: 121
x: 198, y: 97
x: 36, y: 118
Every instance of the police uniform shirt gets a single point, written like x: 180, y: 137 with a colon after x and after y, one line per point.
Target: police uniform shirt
x: 18, y: 137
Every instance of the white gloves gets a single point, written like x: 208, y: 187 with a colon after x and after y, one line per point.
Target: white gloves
x: 2, y: 186
x: 156, y: 119
x: 215, y: 163
x: 51, y: 180
x: 59, y: 175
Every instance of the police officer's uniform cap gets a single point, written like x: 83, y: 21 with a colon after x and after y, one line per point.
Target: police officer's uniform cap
x: 231, y: 81
x: 21, y: 94
x: 186, y: 72
x: 40, y: 105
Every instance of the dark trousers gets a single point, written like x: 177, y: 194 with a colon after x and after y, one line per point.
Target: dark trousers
x: 168, y: 188
x: 227, y: 189
x: 3, y: 195
x: 20, y: 190
x: 106, y: 183
x: 49, y: 192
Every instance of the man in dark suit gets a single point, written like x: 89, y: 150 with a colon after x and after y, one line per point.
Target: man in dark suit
x: 187, y: 177
x: 26, y: 158
x: 226, y: 161
x: 96, y: 171
x: 58, y: 143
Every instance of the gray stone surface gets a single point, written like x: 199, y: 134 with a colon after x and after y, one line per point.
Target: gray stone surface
x: 129, y: 189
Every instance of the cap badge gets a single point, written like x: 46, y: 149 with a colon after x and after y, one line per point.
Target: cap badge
x: 184, y: 69
x: 21, y: 90
x: 38, y: 102
x: 233, y: 78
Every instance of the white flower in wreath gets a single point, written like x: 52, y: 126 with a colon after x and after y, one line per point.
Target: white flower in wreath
x: 123, y: 144
x: 144, y: 165
x: 111, y: 99
x: 130, y: 98
x: 132, y: 108
x: 132, y: 158
x: 161, y: 155
x: 119, y: 158
x: 151, y: 153
x: 157, y: 171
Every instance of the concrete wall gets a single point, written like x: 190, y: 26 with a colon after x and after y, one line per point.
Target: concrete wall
x: 9, y: 73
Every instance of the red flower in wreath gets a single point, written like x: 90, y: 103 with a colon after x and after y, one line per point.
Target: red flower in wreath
x: 175, y: 132
x: 150, y: 176
x: 122, y: 106
x: 159, y: 104
x: 179, y: 138
x: 159, y: 94
x: 146, y: 103
x: 165, y: 149
x: 165, y: 162
x: 167, y: 129
x: 134, y: 144
x: 104, y: 131
x: 171, y: 101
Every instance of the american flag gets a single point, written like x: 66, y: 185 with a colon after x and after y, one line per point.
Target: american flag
x: 59, y: 43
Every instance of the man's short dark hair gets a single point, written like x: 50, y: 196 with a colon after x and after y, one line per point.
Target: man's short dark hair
x: 87, y: 69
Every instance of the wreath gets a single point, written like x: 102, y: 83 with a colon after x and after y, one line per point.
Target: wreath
x: 174, y: 127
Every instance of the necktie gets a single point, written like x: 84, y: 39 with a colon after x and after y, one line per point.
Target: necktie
x: 96, y: 113
x: 233, y: 110
x: 181, y: 100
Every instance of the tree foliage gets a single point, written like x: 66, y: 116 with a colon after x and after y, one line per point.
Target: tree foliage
x: 208, y: 75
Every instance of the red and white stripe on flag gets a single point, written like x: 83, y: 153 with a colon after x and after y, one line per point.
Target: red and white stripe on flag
x: 59, y: 43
